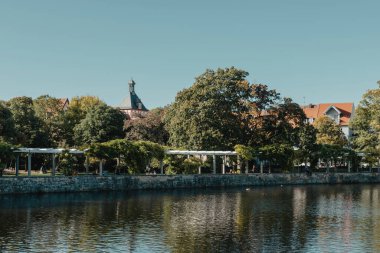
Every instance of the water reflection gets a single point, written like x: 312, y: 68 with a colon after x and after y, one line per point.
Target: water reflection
x: 275, y: 219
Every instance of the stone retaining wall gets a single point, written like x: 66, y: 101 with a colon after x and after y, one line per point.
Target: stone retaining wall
x: 10, y: 185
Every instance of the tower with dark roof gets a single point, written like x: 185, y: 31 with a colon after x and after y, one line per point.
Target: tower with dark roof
x: 132, y: 104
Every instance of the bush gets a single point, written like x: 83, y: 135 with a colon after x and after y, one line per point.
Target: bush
x: 67, y: 163
x: 6, y: 154
x: 191, y: 165
x: 135, y: 156
x: 247, y: 153
x: 281, y: 155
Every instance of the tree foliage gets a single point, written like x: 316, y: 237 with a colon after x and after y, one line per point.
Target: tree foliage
x: 245, y: 152
x: 308, y: 148
x: 208, y: 115
x: 102, y: 123
x: 75, y: 113
x: 149, y: 128
x: 366, y: 125
x: 7, y: 124
x: 278, y: 154
x: 6, y: 152
x: 134, y: 155
x: 281, y: 124
x: 222, y: 108
x: 67, y: 163
x: 30, y: 130
x: 328, y: 132
x: 50, y: 110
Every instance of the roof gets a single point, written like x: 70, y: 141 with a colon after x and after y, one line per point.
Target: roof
x: 319, y: 110
x: 64, y: 102
x: 132, y: 101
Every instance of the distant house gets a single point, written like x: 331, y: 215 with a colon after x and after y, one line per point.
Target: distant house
x: 65, y: 103
x: 340, y: 113
x: 132, y: 105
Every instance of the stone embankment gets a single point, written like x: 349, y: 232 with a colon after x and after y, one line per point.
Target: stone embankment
x: 14, y: 185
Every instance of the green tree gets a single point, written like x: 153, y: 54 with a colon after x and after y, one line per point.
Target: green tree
x: 6, y: 154
x: 222, y: 109
x: 102, y: 123
x: 7, y: 124
x: 208, y: 115
x: 50, y: 111
x: 260, y: 118
x: 366, y: 126
x: 281, y: 155
x: 308, y: 148
x: 289, y: 119
x: 76, y: 112
x: 67, y: 163
x: 328, y: 132
x: 30, y: 130
x: 148, y: 128
x: 133, y: 155
x: 246, y: 154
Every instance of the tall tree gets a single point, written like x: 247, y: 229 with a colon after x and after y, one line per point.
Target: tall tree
x: 30, y: 130
x: 328, y: 132
x: 102, y: 123
x: 50, y: 111
x: 366, y: 125
x: 259, y: 118
x: 289, y: 118
x: 76, y: 112
x: 222, y: 109
x: 208, y: 115
x: 148, y: 128
x: 308, y: 147
x: 7, y: 124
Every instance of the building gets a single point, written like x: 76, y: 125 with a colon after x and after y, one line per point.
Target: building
x: 132, y: 105
x: 65, y: 102
x: 340, y: 113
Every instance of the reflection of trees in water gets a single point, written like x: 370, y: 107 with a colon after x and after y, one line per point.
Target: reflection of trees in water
x: 254, y: 220
x: 76, y: 220
x: 344, y: 216
x: 234, y: 220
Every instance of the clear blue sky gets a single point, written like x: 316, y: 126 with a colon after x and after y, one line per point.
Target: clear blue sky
x: 324, y: 50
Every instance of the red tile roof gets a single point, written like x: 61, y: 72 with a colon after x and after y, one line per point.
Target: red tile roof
x: 316, y: 111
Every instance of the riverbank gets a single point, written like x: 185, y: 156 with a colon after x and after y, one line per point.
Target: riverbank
x: 17, y: 185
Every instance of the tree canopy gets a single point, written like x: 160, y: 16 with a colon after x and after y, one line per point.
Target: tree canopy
x: 328, y: 132
x: 30, y: 130
x: 50, y: 110
x: 366, y: 125
x: 7, y: 124
x: 75, y: 113
x: 222, y: 109
x: 102, y: 123
x: 208, y: 115
x: 149, y: 128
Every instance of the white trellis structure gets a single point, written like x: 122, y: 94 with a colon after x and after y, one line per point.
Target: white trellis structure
x: 29, y: 152
x: 214, y: 154
x: 52, y: 151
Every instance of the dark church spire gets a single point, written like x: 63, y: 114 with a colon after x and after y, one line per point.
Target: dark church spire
x: 131, y: 84
x: 132, y: 101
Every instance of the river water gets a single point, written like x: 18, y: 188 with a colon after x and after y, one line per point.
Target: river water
x: 269, y: 219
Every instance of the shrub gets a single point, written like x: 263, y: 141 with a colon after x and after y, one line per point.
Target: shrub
x: 67, y: 163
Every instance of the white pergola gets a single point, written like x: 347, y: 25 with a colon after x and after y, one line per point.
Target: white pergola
x: 224, y: 154
x: 31, y: 151
x: 55, y: 151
